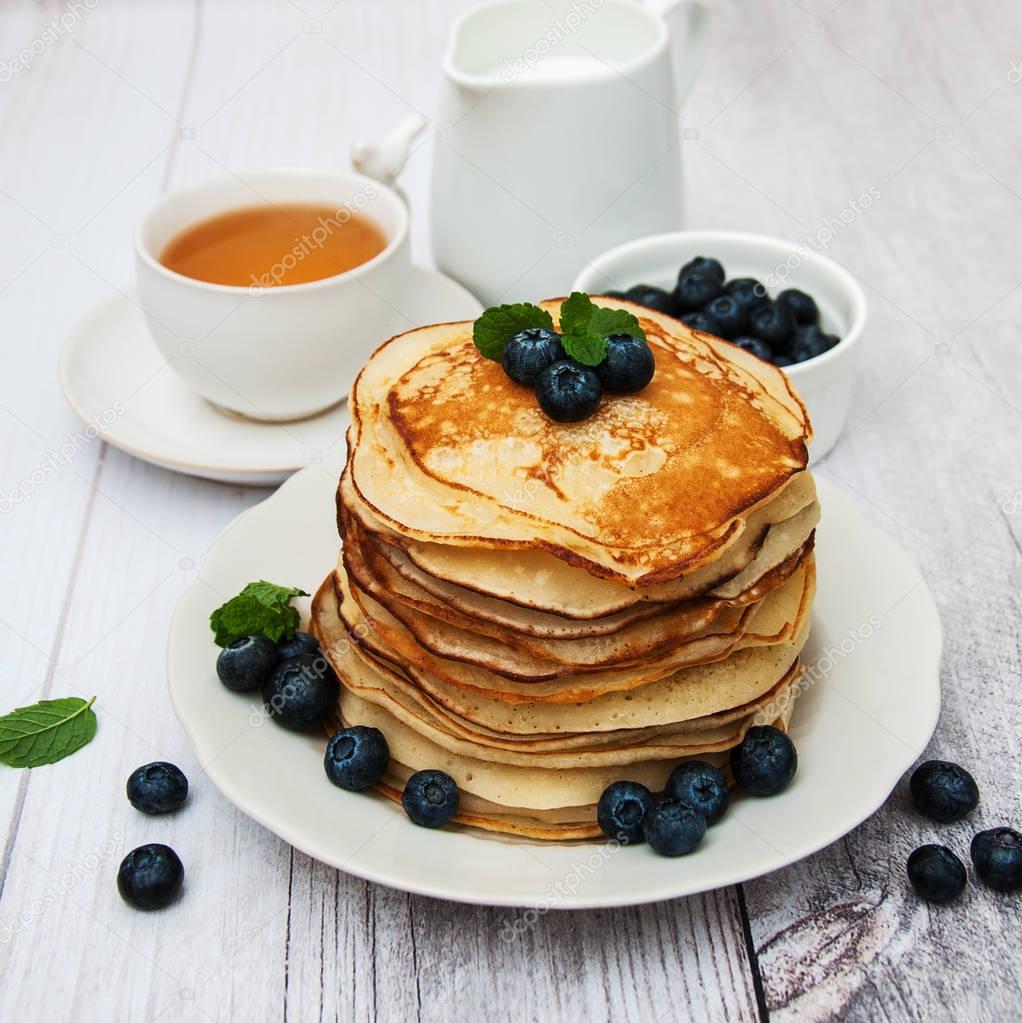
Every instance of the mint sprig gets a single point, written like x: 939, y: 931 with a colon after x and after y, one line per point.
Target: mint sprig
x: 585, y: 328
x: 46, y: 732
x: 261, y: 609
x: 500, y: 323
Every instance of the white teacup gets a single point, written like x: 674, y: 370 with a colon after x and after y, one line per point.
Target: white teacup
x: 281, y: 352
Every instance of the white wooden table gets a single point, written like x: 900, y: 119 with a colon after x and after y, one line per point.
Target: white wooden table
x: 801, y: 107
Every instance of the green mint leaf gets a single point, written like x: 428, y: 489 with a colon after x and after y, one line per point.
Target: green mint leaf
x: 500, y: 323
x: 615, y: 321
x: 261, y: 609
x: 589, y: 348
x: 46, y: 732
x: 584, y: 328
x: 576, y: 312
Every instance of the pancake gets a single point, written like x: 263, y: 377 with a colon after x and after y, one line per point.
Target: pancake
x: 554, y: 824
x: 374, y: 682
x: 422, y: 644
x: 520, y: 790
x: 536, y: 580
x: 614, y: 700
x: 650, y: 487
x: 390, y: 579
x: 687, y: 632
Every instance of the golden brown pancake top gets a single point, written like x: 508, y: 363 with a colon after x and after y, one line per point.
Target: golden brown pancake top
x: 683, y: 456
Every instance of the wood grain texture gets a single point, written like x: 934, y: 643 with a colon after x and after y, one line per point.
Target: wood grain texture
x: 801, y: 108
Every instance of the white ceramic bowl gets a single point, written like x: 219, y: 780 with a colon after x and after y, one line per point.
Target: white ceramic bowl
x: 824, y: 383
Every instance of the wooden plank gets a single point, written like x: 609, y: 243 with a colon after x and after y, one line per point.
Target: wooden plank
x: 841, y: 935
x: 70, y: 945
x: 357, y: 949
x: 934, y: 460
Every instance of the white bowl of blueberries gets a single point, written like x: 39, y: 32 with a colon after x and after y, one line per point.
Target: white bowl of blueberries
x: 774, y: 298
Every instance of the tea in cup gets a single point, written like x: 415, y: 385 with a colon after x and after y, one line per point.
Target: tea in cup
x: 267, y: 292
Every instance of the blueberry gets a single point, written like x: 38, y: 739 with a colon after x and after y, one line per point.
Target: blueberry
x: 610, y: 293
x: 696, y: 291
x: 810, y: 341
x: 622, y: 809
x: 247, y: 662
x: 628, y: 365
x: 672, y: 828
x: 150, y: 876
x: 157, y: 788
x: 753, y: 344
x: 801, y: 305
x: 936, y: 873
x: 764, y: 762
x: 702, y: 786
x: 727, y: 311
x: 301, y: 691
x: 356, y: 757
x: 568, y: 392
x: 781, y: 360
x: 300, y: 643
x: 529, y: 352
x: 430, y: 798
x: 703, y: 265
x: 652, y: 298
x: 700, y: 320
x: 747, y: 292
x: 943, y: 791
x: 997, y: 856
x: 772, y: 323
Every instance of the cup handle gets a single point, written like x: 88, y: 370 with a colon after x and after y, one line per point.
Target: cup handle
x: 384, y: 158
x: 689, y: 51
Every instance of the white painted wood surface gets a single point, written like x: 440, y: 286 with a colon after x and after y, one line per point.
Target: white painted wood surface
x: 800, y: 108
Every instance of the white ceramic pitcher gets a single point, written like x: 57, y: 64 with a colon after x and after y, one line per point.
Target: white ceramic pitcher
x: 557, y: 137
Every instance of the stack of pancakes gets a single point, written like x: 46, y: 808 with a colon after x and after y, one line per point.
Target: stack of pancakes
x: 541, y: 609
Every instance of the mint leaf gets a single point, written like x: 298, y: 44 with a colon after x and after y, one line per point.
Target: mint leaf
x: 578, y: 341
x: 500, y: 323
x: 589, y: 348
x: 584, y: 328
x: 576, y: 312
x: 46, y: 732
x: 615, y: 321
x: 261, y: 609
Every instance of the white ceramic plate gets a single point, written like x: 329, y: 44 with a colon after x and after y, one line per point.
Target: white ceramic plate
x: 874, y: 655
x: 114, y: 377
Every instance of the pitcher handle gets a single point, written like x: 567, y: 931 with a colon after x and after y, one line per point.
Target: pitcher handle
x: 688, y: 55
x: 384, y: 158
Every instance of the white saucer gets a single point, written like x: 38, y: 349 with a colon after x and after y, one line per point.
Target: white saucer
x: 874, y: 650
x: 113, y: 376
